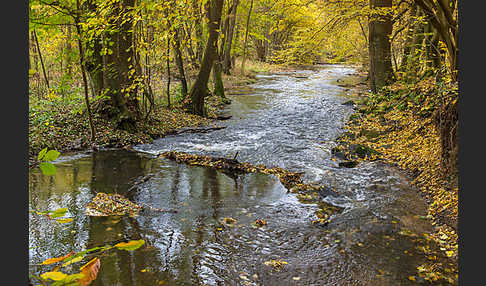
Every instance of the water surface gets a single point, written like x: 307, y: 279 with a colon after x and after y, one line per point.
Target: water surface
x: 286, y: 119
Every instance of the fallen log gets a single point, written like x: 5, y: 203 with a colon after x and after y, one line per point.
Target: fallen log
x: 197, y: 129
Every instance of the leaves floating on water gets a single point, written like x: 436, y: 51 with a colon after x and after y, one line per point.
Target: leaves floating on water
x: 259, y: 223
x: 57, y: 259
x: 111, y: 204
x: 287, y: 178
x: 276, y: 264
x: 89, y: 271
x: 229, y: 220
x: 131, y: 245
x: 56, y: 215
x: 54, y: 275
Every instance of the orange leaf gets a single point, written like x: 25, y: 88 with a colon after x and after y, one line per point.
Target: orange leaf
x: 57, y: 259
x: 90, y: 271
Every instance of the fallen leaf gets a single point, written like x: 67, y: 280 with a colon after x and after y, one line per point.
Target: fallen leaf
x: 131, y: 245
x: 57, y: 259
x: 64, y: 220
x: 74, y: 260
x: 53, y: 275
x: 90, y: 271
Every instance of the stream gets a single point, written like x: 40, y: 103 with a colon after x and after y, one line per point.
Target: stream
x: 288, y: 119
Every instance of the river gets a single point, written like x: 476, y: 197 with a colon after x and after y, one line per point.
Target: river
x: 290, y: 120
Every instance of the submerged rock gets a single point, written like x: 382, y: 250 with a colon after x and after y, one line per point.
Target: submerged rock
x: 348, y: 164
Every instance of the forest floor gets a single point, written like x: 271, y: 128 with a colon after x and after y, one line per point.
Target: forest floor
x: 399, y: 126
x: 62, y: 123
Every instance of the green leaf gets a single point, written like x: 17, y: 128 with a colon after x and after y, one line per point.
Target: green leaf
x: 41, y: 154
x: 58, y: 213
x: 131, y: 245
x: 84, y: 252
x: 47, y: 168
x: 52, y: 155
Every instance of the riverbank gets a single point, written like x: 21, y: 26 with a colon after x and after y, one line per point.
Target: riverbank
x: 61, y: 123
x: 399, y: 126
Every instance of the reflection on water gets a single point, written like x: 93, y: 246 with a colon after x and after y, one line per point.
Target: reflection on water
x: 189, y: 247
x: 288, y: 120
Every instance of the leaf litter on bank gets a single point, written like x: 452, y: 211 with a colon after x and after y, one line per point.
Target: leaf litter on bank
x: 409, y: 138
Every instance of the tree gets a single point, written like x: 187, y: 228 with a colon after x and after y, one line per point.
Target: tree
x: 380, y: 30
x: 246, y: 38
x: 118, y: 69
x: 83, y: 72
x: 199, y: 89
x: 443, y: 16
x: 229, y: 34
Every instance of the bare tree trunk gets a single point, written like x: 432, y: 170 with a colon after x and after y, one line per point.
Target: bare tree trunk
x: 69, y: 51
x: 36, y: 75
x: 83, y: 73
x: 246, y: 38
x: 199, y: 88
x: 217, y: 78
x: 94, y: 63
x: 179, y: 62
x: 41, y: 60
x: 199, y: 31
x: 229, y: 39
x: 168, y: 71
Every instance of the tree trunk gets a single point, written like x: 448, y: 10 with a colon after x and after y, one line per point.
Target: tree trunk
x: 380, y: 30
x: 217, y: 78
x: 94, y: 63
x: 118, y: 63
x: 69, y: 52
x: 199, y: 88
x: 41, y: 60
x: 199, y: 30
x: 83, y: 73
x: 168, y: 70
x: 411, y: 34
x: 441, y: 14
x: 189, y: 48
x: 176, y: 44
x: 35, y: 66
x: 246, y: 38
x: 229, y: 39
x: 260, y: 49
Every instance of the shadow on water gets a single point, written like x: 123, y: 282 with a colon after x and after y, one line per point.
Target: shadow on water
x: 289, y: 120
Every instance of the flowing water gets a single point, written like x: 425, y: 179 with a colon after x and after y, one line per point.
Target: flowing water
x: 288, y: 120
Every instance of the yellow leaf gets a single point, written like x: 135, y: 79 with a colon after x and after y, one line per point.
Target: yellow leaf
x: 131, y: 245
x: 74, y: 260
x: 64, y: 220
x: 54, y: 275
